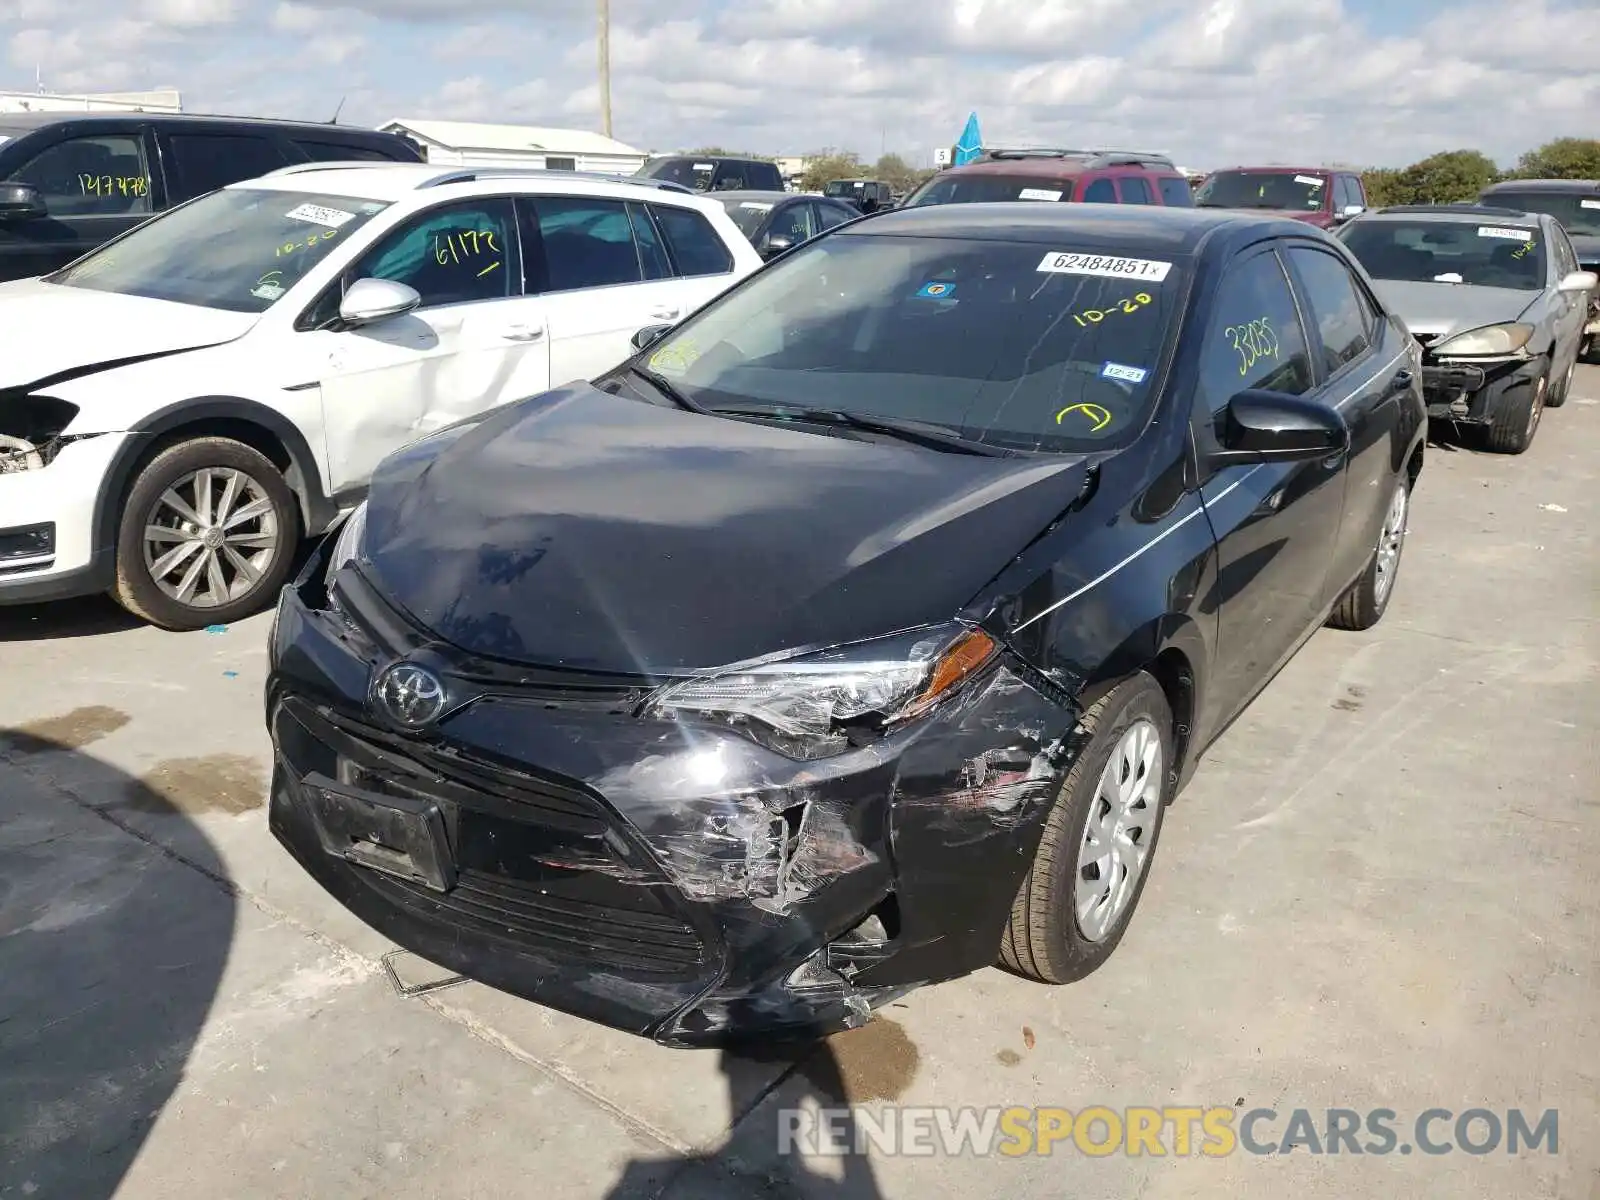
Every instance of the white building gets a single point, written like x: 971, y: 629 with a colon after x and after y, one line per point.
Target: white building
x: 473, y: 144
x: 165, y: 100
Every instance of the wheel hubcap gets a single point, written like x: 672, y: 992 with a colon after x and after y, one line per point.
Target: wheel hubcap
x: 1538, y: 407
x: 1391, y: 541
x: 211, y: 537
x: 1121, y: 830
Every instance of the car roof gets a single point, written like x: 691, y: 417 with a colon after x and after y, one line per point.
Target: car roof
x: 1286, y: 171
x: 1450, y: 214
x: 711, y: 158
x: 1177, y: 231
x: 39, y: 120
x: 758, y: 194
x: 394, y: 181
x: 1582, y: 186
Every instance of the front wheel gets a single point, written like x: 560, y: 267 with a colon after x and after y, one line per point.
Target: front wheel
x: 208, y: 535
x: 1094, y: 855
x: 1366, y: 600
x: 1516, y: 414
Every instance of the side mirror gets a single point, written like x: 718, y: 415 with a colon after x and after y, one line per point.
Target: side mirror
x: 21, y: 202
x: 1261, y: 427
x: 649, y: 335
x: 774, y: 244
x: 371, y: 300
x: 1579, y: 281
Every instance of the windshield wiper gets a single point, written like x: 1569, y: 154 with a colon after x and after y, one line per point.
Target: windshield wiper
x: 667, y: 389
x: 921, y: 433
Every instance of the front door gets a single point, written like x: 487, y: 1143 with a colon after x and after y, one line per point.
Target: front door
x: 475, y: 342
x: 1275, y: 524
x: 94, y: 188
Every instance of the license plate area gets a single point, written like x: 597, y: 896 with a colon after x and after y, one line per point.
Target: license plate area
x: 403, y: 836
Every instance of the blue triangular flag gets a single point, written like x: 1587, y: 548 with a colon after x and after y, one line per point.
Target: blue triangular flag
x: 970, y: 144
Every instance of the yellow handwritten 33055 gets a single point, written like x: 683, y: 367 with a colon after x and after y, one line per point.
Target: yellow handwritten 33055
x: 1255, y: 341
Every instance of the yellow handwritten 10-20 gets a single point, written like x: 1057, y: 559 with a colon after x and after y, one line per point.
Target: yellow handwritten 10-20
x: 114, y: 185
x: 1093, y: 316
x: 306, y: 243
x: 1254, y: 340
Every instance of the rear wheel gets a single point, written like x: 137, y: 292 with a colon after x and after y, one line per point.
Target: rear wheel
x: 1516, y: 414
x: 208, y: 535
x: 1094, y: 855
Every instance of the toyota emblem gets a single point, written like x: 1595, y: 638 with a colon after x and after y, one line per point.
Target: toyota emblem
x: 412, y: 696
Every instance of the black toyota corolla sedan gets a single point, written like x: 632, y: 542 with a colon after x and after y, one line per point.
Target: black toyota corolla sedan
x: 855, y: 632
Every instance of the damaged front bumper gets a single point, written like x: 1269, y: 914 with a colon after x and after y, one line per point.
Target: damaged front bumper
x: 1469, y: 392
x: 670, y: 878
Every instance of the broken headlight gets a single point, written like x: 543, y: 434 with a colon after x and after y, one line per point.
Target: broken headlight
x: 1488, y: 342
x: 30, y: 431
x: 347, y: 544
x: 809, y: 708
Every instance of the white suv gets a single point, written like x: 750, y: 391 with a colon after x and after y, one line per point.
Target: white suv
x: 180, y: 407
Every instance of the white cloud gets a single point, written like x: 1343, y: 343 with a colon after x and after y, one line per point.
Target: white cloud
x: 1209, y: 80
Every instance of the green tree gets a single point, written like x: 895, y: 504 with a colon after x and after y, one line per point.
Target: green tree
x: 896, y: 172
x: 1381, y: 184
x: 1564, y: 158
x: 1448, y: 177
x: 829, y: 165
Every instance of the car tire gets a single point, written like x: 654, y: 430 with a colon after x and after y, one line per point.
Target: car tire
x: 229, y: 527
x: 1366, y: 600
x: 1517, y: 411
x: 1557, y: 396
x: 1129, y: 753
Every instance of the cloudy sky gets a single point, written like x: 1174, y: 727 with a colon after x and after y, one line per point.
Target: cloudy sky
x: 1359, y: 81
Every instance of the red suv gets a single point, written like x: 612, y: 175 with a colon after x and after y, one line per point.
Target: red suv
x: 1315, y: 195
x: 1087, y: 176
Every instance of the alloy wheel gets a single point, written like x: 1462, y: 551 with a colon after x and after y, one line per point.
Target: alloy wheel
x: 1391, y: 541
x: 1120, y: 831
x: 211, y: 537
x: 1536, y: 410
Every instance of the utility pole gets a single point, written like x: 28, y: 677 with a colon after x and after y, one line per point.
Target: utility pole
x: 605, y: 67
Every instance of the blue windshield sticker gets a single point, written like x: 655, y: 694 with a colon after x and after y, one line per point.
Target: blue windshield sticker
x: 1113, y: 370
x: 936, y: 291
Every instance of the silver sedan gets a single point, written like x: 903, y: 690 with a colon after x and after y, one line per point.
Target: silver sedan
x: 1495, y: 298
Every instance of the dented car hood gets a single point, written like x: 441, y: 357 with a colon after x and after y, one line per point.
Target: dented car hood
x: 51, y: 329
x: 583, y: 530
x: 1444, y: 308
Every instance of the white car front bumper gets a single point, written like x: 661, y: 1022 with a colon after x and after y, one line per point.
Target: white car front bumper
x: 47, y: 524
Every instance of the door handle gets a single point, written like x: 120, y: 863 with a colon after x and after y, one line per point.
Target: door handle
x: 666, y: 314
x: 1401, y: 381
x: 522, y: 333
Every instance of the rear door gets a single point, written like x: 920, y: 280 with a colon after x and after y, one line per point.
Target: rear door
x: 200, y: 161
x: 1365, y: 364
x: 95, y: 185
x: 1135, y: 189
x: 700, y: 259
x: 1275, y: 523
x: 475, y: 341
x: 602, y: 269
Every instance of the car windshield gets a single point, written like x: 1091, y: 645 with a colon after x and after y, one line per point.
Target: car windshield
x: 748, y: 214
x: 990, y: 189
x: 689, y: 172
x: 842, y: 187
x: 1578, y: 214
x: 238, y: 249
x: 1292, y: 190
x: 1481, y: 253
x: 1018, y: 345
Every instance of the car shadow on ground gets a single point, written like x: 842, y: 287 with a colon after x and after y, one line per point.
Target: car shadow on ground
x: 86, y: 616
x: 111, y: 952
x: 753, y: 1161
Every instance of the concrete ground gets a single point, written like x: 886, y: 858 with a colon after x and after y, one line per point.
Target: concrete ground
x: 1381, y: 890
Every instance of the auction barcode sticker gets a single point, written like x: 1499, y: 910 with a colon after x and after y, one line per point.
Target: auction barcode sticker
x: 1310, y: 180
x: 1038, y: 194
x: 1520, y: 235
x: 1581, y: 203
x: 1064, y: 263
x: 317, y: 215
x: 756, y: 206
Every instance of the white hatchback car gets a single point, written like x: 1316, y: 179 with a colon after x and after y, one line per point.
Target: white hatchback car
x: 181, y: 406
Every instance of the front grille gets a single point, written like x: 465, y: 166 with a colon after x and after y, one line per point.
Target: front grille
x: 541, y: 864
x: 599, y: 936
